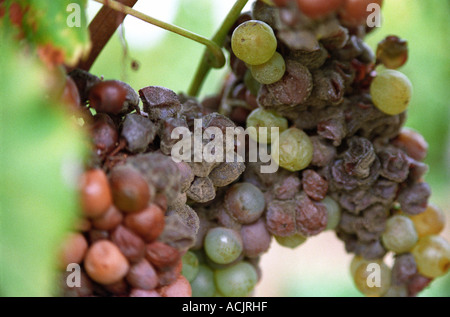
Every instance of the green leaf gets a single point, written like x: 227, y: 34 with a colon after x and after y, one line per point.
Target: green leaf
x: 40, y: 149
x: 59, y: 28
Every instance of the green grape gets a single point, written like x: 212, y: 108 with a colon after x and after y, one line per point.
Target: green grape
x: 251, y: 83
x: 203, y: 285
x: 293, y: 150
x: 237, y: 280
x: 190, y: 266
x: 223, y: 245
x: 265, y: 118
x: 432, y: 255
x: 400, y: 235
x: 333, y: 212
x: 253, y: 42
x: 271, y: 71
x: 292, y: 241
x: 391, y: 91
x: 372, y: 278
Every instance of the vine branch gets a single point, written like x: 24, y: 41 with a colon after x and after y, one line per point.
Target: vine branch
x: 101, y: 28
x: 205, y: 64
x: 217, y: 58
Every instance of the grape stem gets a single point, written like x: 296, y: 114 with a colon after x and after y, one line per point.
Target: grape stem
x: 207, y: 62
x: 216, y: 56
x: 101, y: 28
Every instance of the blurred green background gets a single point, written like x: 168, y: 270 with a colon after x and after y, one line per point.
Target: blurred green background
x: 171, y: 61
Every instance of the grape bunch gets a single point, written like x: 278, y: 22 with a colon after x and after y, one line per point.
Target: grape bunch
x: 136, y: 218
x: 348, y: 164
x: 151, y: 225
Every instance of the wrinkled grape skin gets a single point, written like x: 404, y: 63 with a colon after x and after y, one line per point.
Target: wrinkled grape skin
x: 392, y: 52
x: 314, y: 185
x: 310, y: 218
x: 142, y: 275
x: 280, y: 218
x: 254, y: 42
x: 131, y: 245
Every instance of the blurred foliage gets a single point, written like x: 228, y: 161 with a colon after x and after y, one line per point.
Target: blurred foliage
x: 43, y: 24
x: 40, y: 149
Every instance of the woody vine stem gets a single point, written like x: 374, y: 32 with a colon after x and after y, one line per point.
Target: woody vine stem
x: 213, y: 55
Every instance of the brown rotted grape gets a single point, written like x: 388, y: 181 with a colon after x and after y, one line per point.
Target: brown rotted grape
x: 95, y: 193
x: 130, y: 191
x: 104, y: 263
